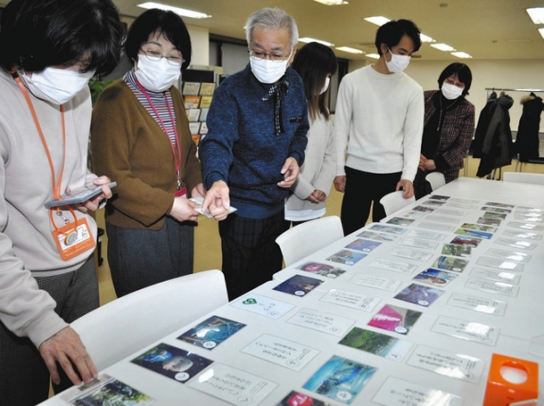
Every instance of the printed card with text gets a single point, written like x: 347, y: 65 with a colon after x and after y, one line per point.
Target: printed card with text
x: 410, y: 253
x: 497, y: 275
x: 398, y: 392
x: 263, y: 305
x: 419, y: 242
x: 437, y: 226
x: 376, y: 343
x: 298, y: 285
x: 517, y: 244
x: 517, y: 256
x: 321, y: 321
x: 354, y: 300
x: 394, y: 266
x: 395, y: 318
x: 466, y: 330
x: 429, y: 235
x: 377, y: 282
x: 477, y: 304
x: 525, y: 226
x: 500, y: 263
x: 211, y: 332
x: 527, y: 235
x: 499, y: 288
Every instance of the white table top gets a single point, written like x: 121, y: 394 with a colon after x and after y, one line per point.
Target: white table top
x: 520, y: 329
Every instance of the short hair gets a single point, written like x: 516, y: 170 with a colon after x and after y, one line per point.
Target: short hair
x: 272, y: 18
x: 460, y: 70
x: 167, y: 23
x: 313, y: 62
x: 392, y: 32
x: 35, y: 34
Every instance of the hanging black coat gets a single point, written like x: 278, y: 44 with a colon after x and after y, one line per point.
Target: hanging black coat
x: 527, y: 142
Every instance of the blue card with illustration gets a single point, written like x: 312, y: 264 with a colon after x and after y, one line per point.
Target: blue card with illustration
x: 346, y: 257
x: 211, y: 332
x: 363, y: 245
x: 298, y: 285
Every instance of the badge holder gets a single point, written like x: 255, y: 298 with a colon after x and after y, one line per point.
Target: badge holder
x: 74, y: 238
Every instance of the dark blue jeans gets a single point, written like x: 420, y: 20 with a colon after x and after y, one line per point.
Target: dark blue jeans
x: 140, y: 258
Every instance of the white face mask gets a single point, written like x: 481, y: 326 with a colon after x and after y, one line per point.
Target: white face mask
x: 451, y: 92
x: 156, y: 75
x: 326, y: 86
x: 56, y: 85
x: 267, y: 71
x: 397, y: 63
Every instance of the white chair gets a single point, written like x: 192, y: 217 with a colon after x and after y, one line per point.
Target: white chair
x: 394, y: 201
x: 523, y: 177
x: 119, y: 328
x: 436, y: 179
x: 300, y: 241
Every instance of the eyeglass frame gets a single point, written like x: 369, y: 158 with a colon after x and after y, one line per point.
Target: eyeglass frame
x: 161, y: 56
x: 269, y: 54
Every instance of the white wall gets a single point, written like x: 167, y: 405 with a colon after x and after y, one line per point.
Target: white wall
x: 200, y: 41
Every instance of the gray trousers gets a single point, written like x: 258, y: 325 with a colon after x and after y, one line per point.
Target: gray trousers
x: 24, y: 378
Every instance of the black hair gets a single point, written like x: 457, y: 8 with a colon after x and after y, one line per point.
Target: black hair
x: 35, y: 34
x: 392, y: 32
x: 162, y: 22
x: 313, y: 62
x: 460, y: 70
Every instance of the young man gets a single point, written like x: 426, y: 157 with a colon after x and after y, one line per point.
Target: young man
x: 251, y: 155
x: 378, y: 127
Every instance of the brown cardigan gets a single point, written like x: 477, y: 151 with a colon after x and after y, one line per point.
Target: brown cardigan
x: 131, y: 148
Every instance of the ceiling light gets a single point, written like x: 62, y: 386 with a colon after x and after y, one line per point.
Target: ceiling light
x: 426, y: 38
x: 179, y: 11
x: 309, y: 39
x: 541, y: 30
x: 536, y: 14
x: 443, y: 47
x: 375, y: 56
x: 378, y: 20
x: 332, y: 2
x: 460, y: 54
x: 350, y: 50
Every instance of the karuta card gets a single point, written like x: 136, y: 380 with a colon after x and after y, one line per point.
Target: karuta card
x: 466, y: 241
x: 496, y: 275
x: 321, y: 269
x: 435, y: 277
x: 409, y: 253
x: 466, y: 330
x: 419, y: 294
x: 281, y: 352
x: 443, y: 219
x: 321, y: 321
x: 450, y: 263
x: 263, y: 305
x: 433, y: 203
x: 525, y: 226
x: 489, y: 221
x: 500, y: 263
x: 298, y: 398
x: 462, y: 232
x: 451, y: 212
x: 497, y: 209
x: 457, y: 250
x: 346, y: 257
x: 493, y: 215
x: 429, y: 235
x: 298, y: 285
x: 377, y: 344
x: 477, y: 304
x: 105, y: 390
x: 377, y: 236
x: 363, y: 245
x: 340, y: 379
x: 503, y: 205
x: 509, y: 254
x: 527, y: 235
x: 447, y: 363
x: 419, y: 243
x: 211, y: 332
x: 395, y: 318
x: 377, y: 282
x: 172, y: 362
x: 479, y: 227
x: 439, y: 197
x: 387, y: 229
x: 233, y: 385
x: 394, y: 266
x: 399, y: 221
x: 397, y: 392
x: 354, y: 300
x: 424, y: 209
x: 499, y: 288
x: 437, y: 226
x: 518, y: 244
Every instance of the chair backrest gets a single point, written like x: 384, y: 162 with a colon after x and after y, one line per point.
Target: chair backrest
x: 523, y: 177
x: 119, y: 328
x: 300, y: 241
x: 436, y: 179
x: 394, y: 201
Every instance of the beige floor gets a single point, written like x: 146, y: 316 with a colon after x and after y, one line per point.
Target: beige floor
x: 207, y: 242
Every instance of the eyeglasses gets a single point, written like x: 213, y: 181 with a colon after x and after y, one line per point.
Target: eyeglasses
x: 273, y: 56
x: 157, y: 56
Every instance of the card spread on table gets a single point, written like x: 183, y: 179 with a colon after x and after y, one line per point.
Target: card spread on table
x: 499, y: 288
x: 419, y: 294
x: 321, y: 321
x: 394, y: 266
x: 397, y: 392
x: 363, y: 245
x: 435, y: 277
x: 376, y: 343
x: 424, y: 209
x: 395, y: 318
x: 443, y: 219
x: 450, y: 263
x: 527, y: 235
x: 233, y: 386
x: 439, y: 197
x: 263, y: 305
x: 321, y: 269
x: 525, y: 226
x: 172, y: 362
x: 298, y: 285
x: 377, y: 282
x: 450, y: 212
x: 211, y: 332
x: 387, y: 229
x: 494, y: 215
x: 503, y: 205
x: 466, y: 330
x: 399, y: 221
x: 496, y: 209
x: 511, y: 242
x: 354, y: 300
x: 476, y: 235
x: 346, y: 257
x: 500, y: 263
x: 419, y: 242
x: 437, y: 226
x: 517, y: 256
x: 433, y: 203
x: 409, y: 253
x: 298, y: 398
x: 457, y: 250
x: 447, y: 363
x: 105, y: 390
x: 281, y: 352
x: 478, y: 227
x: 489, y: 221
x: 430, y: 235
x: 497, y: 275
x: 340, y: 379
x: 467, y: 240
x: 378, y: 236
x: 477, y: 304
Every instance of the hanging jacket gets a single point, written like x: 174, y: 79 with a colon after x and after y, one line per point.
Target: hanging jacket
x: 527, y: 142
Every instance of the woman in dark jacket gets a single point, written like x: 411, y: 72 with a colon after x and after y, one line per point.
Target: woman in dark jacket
x: 449, y: 127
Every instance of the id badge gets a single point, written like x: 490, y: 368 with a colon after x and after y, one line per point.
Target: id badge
x: 181, y: 192
x: 72, y: 241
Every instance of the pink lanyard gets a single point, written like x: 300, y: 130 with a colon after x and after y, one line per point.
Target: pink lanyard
x: 177, y: 158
